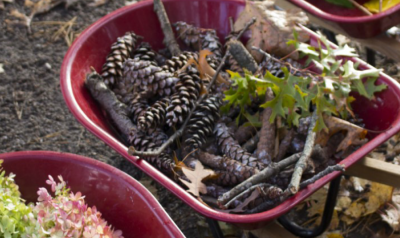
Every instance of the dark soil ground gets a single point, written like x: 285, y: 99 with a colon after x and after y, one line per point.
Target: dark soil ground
x: 33, y: 114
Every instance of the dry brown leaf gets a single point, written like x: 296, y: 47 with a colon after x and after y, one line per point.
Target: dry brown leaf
x: 97, y: 3
x: 19, y: 19
x: 355, y: 134
x: 391, y: 214
x: 369, y: 203
x: 3, y: 1
x: 272, y: 29
x: 196, y: 186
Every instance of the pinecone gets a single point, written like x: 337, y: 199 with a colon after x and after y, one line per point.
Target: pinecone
x: 187, y: 92
x: 144, y: 76
x: 177, y: 62
x: 145, y: 52
x: 138, y: 107
x: 231, y: 172
x: 210, y: 41
x: 231, y: 148
x: 154, y: 116
x: 120, y: 51
x: 275, y: 67
x: 152, y: 140
x: 202, y: 123
x: 189, y: 34
x: 234, y: 66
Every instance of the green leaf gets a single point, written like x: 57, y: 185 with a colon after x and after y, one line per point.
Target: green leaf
x: 371, y: 88
x: 252, y: 120
x: 345, y: 51
x: 342, y: 3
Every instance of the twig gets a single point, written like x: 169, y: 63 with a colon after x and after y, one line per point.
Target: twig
x: 247, y: 191
x: 271, y: 170
x: 179, y: 132
x: 292, y: 69
x: 326, y: 171
x: 169, y: 38
x: 380, y: 5
x: 109, y: 102
x: 248, y: 24
x: 302, y: 163
x: 359, y: 6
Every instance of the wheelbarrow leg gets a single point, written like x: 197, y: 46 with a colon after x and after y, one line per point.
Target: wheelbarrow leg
x: 215, y: 228
x: 330, y: 203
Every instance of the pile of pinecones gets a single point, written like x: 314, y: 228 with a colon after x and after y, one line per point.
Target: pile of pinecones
x: 158, y: 92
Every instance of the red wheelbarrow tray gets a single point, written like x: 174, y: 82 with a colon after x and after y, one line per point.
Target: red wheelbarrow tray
x: 353, y: 21
x: 123, y: 202
x: 93, y: 45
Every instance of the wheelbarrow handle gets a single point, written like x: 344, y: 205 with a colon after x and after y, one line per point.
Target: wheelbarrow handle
x: 330, y: 203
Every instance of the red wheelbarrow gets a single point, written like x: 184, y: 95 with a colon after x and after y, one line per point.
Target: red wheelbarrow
x: 92, y: 47
x: 123, y: 202
x: 353, y: 21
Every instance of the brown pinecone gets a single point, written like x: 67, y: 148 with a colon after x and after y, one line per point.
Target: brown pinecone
x: 152, y: 140
x: 210, y: 41
x: 231, y: 148
x: 145, y: 52
x: 202, y: 123
x: 138, y: 107
x: 177, y: 62
x: 154, y: 116
x: 121, y: 50
x: 189, y: 34
x: 144, y: 76
x: 275, y: 67
x: 231, y: 172
x: 234, y: 66
x: 187, y: 92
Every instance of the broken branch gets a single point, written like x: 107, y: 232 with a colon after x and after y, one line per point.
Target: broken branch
x: 301, y: 165
x: 169, y: 38
x: 271, y: 170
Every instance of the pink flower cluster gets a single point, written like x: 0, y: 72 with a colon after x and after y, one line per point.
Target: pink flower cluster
x: 67, y: 214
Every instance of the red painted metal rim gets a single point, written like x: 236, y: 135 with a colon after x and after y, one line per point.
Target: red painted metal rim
x: 361, y: 19
x: 168, y: 183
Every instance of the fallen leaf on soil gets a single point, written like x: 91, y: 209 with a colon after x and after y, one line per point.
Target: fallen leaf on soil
x: 315, y: 207
x: 369, y: 203
x: 127, y: 3
x: 20, y: 19
x: 373, y: 5
x: 2, y: 3
x: 274, y: 25
x: 97, y: 3
x: 355, y: 134
x: 196, y: 186
x: 391, y: 214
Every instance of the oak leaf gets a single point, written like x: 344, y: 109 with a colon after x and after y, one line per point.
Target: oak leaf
x: 272, y: 29
x: 196, y: 186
